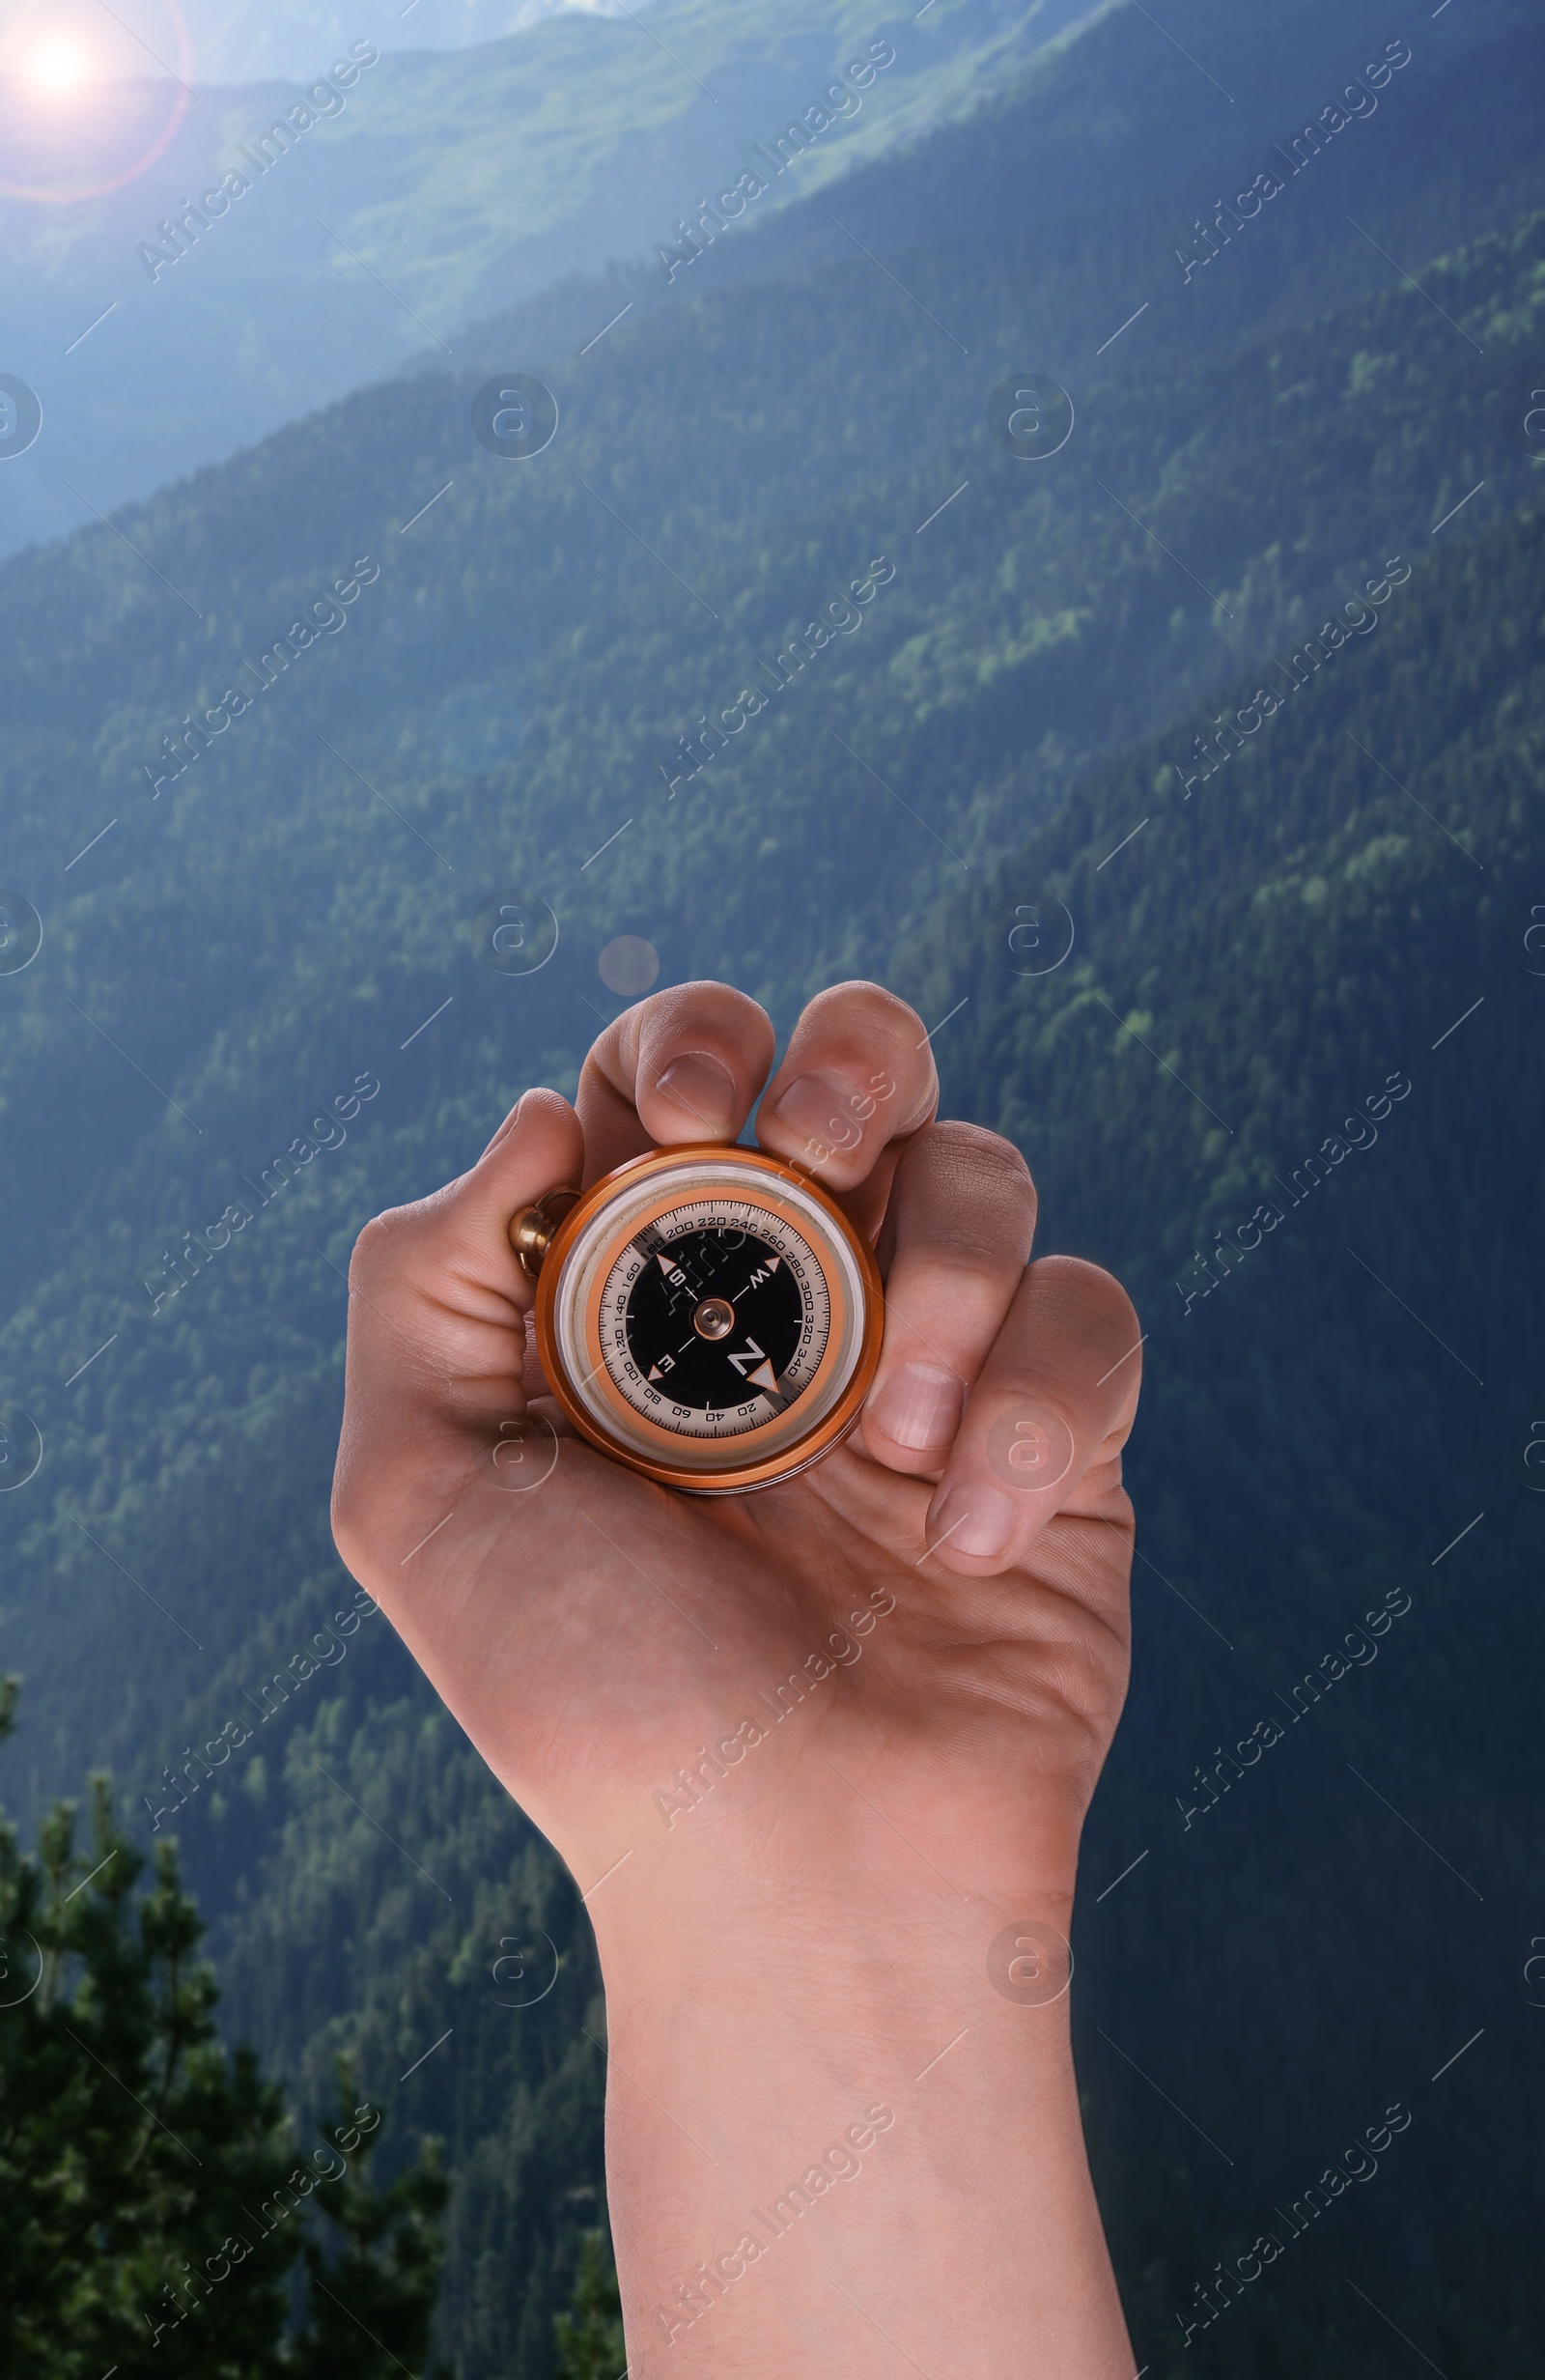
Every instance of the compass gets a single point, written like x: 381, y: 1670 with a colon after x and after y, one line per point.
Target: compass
x: 707, y: 1315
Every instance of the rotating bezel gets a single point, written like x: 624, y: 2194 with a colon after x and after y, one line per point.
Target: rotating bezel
x: 587, y: 1246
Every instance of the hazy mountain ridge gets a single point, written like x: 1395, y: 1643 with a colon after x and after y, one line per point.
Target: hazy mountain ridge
x: 244, y: 43
x: 436, y: 186
x: 270, y: 313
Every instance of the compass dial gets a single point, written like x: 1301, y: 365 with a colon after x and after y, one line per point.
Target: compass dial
x: 711, y: 1316
x: 670, y: 1294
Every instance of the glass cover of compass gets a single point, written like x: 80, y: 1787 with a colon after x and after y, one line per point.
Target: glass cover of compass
x: 711, y: 1317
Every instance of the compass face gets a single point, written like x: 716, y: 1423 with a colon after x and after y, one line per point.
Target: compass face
x: 711, y: 1316
x: 715, y: 1318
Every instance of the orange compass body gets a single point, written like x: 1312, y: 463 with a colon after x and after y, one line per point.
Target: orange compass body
x: 706, y: 1315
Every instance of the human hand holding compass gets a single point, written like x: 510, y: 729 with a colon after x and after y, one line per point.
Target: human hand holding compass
x: 938, y: 1598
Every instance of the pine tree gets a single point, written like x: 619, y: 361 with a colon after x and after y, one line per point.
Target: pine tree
x: 154, y: 2194
x: 590, y: 2342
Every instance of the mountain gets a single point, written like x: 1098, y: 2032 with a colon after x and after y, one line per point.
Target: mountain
x: 239, y: 43
x: 401, y: 194
x: 257, y: 1014
x: 1265, y: 1022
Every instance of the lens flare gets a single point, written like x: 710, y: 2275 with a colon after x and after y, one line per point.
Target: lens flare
x: 56, y: 69
x: 77, y: 120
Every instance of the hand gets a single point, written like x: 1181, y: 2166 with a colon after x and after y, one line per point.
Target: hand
x: 865, y: 1707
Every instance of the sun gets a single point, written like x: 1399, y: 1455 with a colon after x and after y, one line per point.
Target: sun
x: 56, y: 68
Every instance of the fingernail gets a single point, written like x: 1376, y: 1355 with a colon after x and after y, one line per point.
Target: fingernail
x: 976, y: 1520
x: 919, y: 1406
x: 702, y: 1088
x: 827, y: 1112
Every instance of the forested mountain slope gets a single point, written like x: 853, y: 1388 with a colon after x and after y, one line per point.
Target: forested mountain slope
x: 258, y: 994
x: 1109, y: 156
x: 1280, y: 1061
x: 517, y: 676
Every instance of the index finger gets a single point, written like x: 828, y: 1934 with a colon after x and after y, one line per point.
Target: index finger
x: 685, y: 1065
x: 857, y: 1079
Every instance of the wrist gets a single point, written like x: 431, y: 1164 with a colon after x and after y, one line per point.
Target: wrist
x: 796, y: 1961
x: 820, y: 2113
x: 854, y: 1954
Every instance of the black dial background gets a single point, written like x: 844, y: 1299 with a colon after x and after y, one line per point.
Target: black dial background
x: 715, y: 1263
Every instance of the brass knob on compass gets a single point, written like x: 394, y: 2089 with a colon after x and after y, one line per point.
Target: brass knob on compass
x: 533, y: 1229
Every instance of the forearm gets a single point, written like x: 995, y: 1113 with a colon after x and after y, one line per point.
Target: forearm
x: 831, y: 2139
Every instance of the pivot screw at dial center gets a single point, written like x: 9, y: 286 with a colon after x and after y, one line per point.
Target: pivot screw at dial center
x: 715, y: 1318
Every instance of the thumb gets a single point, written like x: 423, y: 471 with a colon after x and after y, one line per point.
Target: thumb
x: 438, y: 1301
x: 465, y: 1227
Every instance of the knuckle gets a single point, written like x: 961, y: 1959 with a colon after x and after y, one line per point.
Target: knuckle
x: 706, y: 992
x: 974, y: 1191
x: 728, y: 1022
x: 1092, y: 1292
x: 386, y: 1237
x: 968, y: 1261
x: 370, y: 1248
x: 859, y: 998
x: 687, y: 1008
x: 343, y: 1514
x: 979, y: 1153
x: 865, y: 1021
x: 959, y: 1290
x: 541, y: 1105
x: 1089, y: 1303
x: 1015, y: 1382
